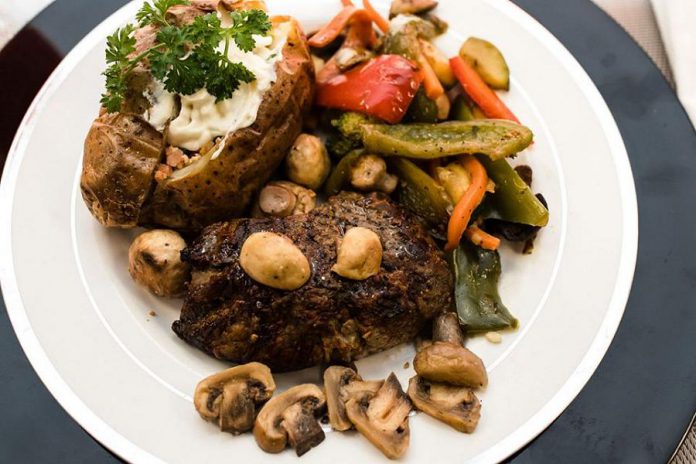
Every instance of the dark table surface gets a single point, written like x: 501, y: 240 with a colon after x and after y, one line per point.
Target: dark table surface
x: 641, y: 399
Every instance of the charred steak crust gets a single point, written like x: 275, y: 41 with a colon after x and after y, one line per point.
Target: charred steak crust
x: 330, y: 318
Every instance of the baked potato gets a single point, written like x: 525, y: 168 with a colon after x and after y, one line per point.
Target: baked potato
x: 120, y: 181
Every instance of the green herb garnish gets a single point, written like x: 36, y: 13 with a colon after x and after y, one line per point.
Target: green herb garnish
x: 185, y: 58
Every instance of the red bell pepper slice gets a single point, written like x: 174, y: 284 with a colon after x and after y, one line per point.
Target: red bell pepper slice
x: 382, y: 87
x: 480, y: 93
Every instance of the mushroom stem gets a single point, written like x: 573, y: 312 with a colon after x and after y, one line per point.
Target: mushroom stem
x: 446, y: 329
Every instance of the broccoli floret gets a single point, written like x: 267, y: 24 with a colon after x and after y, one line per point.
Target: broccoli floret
x: 350, y: 125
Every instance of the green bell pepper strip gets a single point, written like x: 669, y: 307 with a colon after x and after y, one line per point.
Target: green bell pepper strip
x: 422, y: 108
x: 493, y: 138
x: 421, y: 195
x: 340, y: 175
x: 476, y: 273
x: 513, y: 200
x: 461, y: 111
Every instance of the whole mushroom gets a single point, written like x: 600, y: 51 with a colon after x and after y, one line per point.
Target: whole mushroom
x: 359, y: 254
x: 446, y: 371
x: 291, y: 418
x: 231, y: 397
x: 274, y: 260
x: 446, y: 359
x: 154, y: 261
x: 308, y: 162
x: 281, y: 199
x: 369, y: 174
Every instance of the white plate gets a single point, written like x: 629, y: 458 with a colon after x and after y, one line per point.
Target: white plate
x: 127, y: 379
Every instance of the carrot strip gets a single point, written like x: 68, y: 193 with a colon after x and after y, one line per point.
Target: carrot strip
x: 377, y: 18
x: 467, y: 203
x: 333, y: 28
x: 432, y: 84
x: 346, y: 2
x: 481, y: 238
x: 482, y: 95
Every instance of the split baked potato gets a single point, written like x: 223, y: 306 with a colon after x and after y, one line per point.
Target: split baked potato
x: 123, y: 152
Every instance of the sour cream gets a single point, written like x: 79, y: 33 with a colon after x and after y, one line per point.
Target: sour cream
x: 162, y: 106
x: 202, y: 119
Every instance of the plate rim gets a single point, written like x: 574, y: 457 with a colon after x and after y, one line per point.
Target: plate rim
x: 535, y: 425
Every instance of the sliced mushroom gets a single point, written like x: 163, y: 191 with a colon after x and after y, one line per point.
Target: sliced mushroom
x: 383, y: 418
x: 290, y: 418
x: 446, y: 328
x: 411, y: 7
x: 451, y: 363
x: 455, y: 406
x: 231, y: 397
x: 341, y: 384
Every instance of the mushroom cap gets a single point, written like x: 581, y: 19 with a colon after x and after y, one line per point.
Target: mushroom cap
x: 282, y: 199
x: 455, y: 406
x: 383, y: 418
x: 450, y: 363
x: 232, y: 396
x: 359, y: 254
x: 274, y: 260
x: 277, y: 201
x: 154, y: 261
x: 341, y: 384
x: 446, y: 329
x: 286, y: 417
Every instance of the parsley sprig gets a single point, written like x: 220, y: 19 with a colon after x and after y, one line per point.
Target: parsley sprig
x: 184, y: 58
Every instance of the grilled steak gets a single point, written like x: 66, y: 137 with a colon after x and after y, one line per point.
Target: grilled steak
x: 330, y: 318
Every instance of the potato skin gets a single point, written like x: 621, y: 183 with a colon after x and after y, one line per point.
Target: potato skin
x: 122, y: 152
x: 225, y: 187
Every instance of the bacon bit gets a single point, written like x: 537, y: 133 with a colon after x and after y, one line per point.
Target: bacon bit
x: 176, y: 157
x: 163, y: 172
